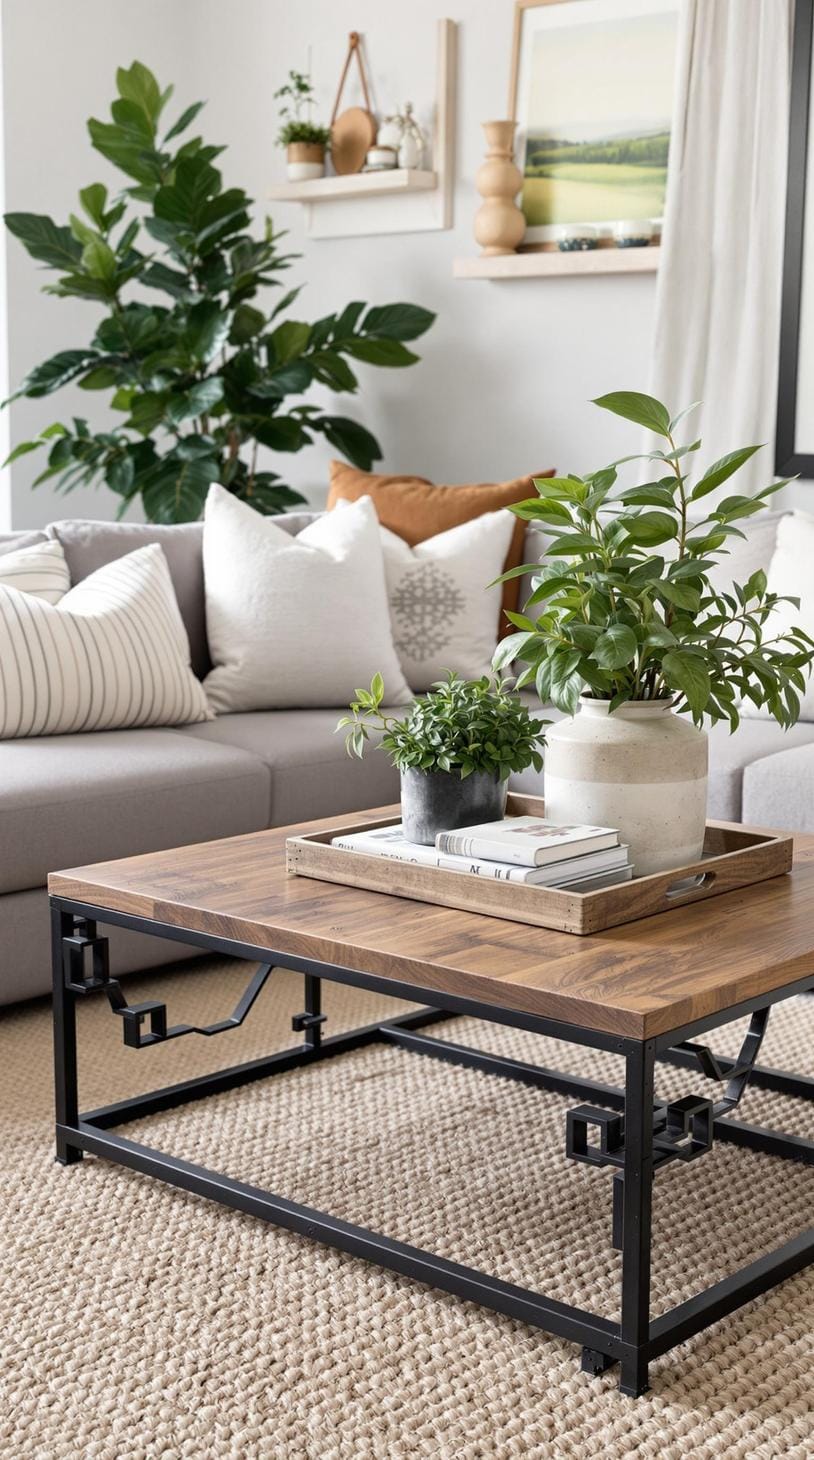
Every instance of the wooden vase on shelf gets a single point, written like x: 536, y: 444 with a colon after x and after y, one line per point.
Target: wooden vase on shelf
x: 499, y: 223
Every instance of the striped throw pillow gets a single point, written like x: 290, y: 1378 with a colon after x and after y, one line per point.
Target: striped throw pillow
x: 40, y: 570
x: 112, y: 653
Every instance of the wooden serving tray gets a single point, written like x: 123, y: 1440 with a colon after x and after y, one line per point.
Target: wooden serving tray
x: 734, y: 856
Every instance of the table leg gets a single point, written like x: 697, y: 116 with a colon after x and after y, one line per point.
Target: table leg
x: 637, y: 1201
x: 65, y: 1071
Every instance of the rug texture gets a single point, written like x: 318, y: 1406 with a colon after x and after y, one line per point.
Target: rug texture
x: 140, y: 1323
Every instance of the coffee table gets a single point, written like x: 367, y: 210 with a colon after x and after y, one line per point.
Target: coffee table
x: 645, y: 991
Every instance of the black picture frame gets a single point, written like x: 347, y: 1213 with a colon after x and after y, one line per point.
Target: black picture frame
x: 788, y: 460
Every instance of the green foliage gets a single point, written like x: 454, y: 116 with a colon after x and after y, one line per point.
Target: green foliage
x: 624, y: 609
x: 296, y: 94
x: 467, y: 726
x: 303, y: 132
x: 201, y: 367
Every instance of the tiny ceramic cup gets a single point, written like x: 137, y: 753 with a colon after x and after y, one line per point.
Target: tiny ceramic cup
x: 633, y: 232
x: 380, y: 158
x: 576, y: 237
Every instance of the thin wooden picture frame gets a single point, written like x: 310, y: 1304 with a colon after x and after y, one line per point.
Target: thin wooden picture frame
x: 789, y: 461
x: 544, y: 235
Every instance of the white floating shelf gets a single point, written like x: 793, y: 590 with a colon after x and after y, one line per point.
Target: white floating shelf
x: 354, y: 185
x: 404, y: 200
x: 552, y: 264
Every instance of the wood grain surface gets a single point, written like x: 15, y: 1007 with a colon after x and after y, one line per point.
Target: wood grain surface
x: 639, y: 980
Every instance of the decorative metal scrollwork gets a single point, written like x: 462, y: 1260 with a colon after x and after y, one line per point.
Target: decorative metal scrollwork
x: 80, y: 980
x: 682, y: 1129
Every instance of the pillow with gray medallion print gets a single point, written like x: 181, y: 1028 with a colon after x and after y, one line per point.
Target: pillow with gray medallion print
x: 110, y: 653
x: 443, y: 613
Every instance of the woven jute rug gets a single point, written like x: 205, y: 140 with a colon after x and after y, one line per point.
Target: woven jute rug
x: 138, y: 1321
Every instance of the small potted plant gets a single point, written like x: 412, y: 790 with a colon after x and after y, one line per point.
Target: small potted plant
x: 626, y: 625
x: 455, y: 749
x: 304, y: 141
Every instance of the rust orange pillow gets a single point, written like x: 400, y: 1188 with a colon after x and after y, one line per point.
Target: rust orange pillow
x: 416, y: 509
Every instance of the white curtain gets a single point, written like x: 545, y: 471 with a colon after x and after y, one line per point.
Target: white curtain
x: 718, y: 294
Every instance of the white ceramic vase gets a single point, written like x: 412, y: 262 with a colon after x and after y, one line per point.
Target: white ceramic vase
x: 642, y: 769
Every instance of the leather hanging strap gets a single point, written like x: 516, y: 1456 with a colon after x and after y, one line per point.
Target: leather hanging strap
x: 354, y: 48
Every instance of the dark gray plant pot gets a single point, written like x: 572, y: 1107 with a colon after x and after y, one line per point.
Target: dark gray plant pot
x: 433, y: 801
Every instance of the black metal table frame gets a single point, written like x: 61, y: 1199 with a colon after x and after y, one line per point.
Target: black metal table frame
x: 637, y: 1133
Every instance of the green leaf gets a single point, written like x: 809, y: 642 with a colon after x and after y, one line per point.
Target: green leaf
x: 56, y: 372
x: 650, y: 494
x: 138, y: 85
x: 333, y: 371
x: 351, y: 439
x: 733, y: 507
x: 644, y: 410
x: 616, y: 647
x: 120, y: 475
x: 22, y: 450
x: 288, y: 341
x: 246, y: 323
x: 94, y: 202
x: 686, y: 672
x: 721, y: 470
x: 99, y: 260
x: 45, y: 240
x: 175, y: 490
x: 102, y: 377
x: 390, y: 353
x: 206, y: 330
x: 197, y: 401
x: 397, y: 321
x: 184, y: 120
x: 650, y: 528
x: 680, y: 594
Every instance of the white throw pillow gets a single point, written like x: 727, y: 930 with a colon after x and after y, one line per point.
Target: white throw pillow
x: 112, y: 653
x: 40, y: 570
x: 295, y: 622
x: 443, y: 613
x: 792, y: 571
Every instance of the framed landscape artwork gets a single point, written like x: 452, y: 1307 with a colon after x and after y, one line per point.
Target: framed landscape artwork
x: 592, y: 95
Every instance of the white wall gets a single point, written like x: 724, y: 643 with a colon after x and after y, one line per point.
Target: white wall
x: 507, y: 371
x: 59, y: 64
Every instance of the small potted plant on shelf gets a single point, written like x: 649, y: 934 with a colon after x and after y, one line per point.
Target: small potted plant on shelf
x: 455, y: 749
x: 304, y: 141
x: 625, y: 624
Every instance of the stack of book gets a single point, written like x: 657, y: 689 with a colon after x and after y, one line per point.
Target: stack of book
x: 518, y: 849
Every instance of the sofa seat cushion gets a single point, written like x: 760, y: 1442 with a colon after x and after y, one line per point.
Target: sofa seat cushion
x: 778, y: 791
x: 69, y: 800
x: 311, y: 772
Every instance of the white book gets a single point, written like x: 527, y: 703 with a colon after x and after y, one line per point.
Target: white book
x: 527, y: 841
x: 593, y: 884
x: 390, y: 841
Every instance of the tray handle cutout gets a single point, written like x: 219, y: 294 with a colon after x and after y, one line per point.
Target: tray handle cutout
x: 689, y: 886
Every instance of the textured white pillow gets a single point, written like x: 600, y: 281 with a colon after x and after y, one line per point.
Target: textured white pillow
x: 112, y: 653
x: 443, y: 613
x: 295, y: 622
x: 792, y: 571
x: 40, y: 570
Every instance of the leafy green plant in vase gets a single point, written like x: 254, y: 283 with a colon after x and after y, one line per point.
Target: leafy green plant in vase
x: 201, y: 361
x: 305, y: 142
x: 455, y: 749
x: 626, y: 624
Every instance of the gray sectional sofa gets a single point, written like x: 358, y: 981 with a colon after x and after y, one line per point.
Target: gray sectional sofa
x: 70, y: 800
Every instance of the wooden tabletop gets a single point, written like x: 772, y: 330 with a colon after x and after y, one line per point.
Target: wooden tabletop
x: 639, y: 980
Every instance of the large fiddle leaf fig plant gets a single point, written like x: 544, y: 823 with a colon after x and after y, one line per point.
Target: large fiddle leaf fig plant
x: 625, y: 607
x: 204, y: 365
